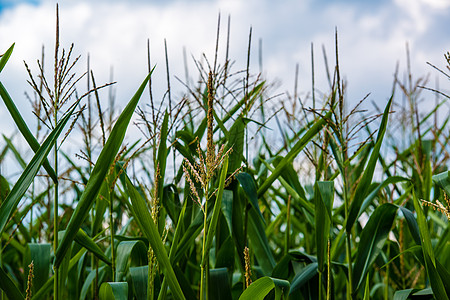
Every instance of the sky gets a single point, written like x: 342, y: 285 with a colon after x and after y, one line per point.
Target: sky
x: 372, y: 38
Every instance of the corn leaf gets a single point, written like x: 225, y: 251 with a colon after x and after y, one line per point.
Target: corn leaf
x: 9, y: 287
x: 302, y: 277
x: 86, y: 241
x: 428, y: 253
x: 219, y: 285
x: 114, y: 291
x: 99, y: 173
x: 139, y: 277
x: 260, y: 243
x: 125, y: 251
x: 27, y: 177
x: 149, y: 229
x: 261, y: 287
x: 39, y: 254
x: 372, y: 239
x: 4, y: 59
x: 249, y: 187
x: 324, y: 197
x: 211, y: 232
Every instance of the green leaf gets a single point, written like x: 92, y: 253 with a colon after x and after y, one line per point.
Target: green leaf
x: 367, y: 289
x: 403, y: 294
x: 295, y: 150
x: 324, y: 197
x: 4, y: 188
x: 162, y: 156
x: 366, y: 179
x: 371, y: 196
x: 249, y: 187
x: 4, y: 59
x: 63, y: 269
x: 139, y: 277
x: 261, y: 287
x: 292, y: 192
x: 442, y: 180
x: 259, y: 242
x: 371, y: 242
x: 16, y: 153
x: 149, y: 229
x: 101, y: 168
x: 435, y: 280
x: 412, y: 224
x: 227, y: 208
x: 303, y: 277
x: 46, y: 288
x: 23, y: 128
x: 86, y: 241
x: 189, y: 236
x: 90, y: 279
x: 27, y: 177
x: 236, y: 141
x: 114, y: 290
x: 124, y: 254
x: 219, y: 285
x: 9, y: 287
x: 423, y: 228
x: 39, y: 254
x: 444, y: 275
x: 428, y: 253
x: 211, y: 232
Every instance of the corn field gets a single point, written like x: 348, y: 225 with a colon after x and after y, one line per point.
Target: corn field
x: 230, y: 192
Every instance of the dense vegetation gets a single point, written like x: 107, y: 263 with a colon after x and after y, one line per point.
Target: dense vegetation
x: 209, y: 205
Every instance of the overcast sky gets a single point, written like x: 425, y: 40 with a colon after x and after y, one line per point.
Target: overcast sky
x: 372, y: 38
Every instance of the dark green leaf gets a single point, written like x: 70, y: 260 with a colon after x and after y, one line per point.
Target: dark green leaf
x: 219, y: 286
x: 372, y: 239
x: 249, y: 187
x: 4, y: 59
x: 324, y: 198
x: 149, y: 229
x: 303, y: 277
x: 39, y: 254
x: 9, y: 287
x: 261, y: 287
x: 139, y: 277
x: 114, y: 291
x: 86, y: 241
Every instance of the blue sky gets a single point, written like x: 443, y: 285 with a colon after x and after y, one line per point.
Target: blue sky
x: 372, y: 38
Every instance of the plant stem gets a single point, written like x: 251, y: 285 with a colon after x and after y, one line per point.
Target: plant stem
x: 203, y: 264
x: 288, y: 226
x: 55, y: 223
x: 328, y: 270
x: 111, y: 229
x: 348, y: 247
x: 150, y: 274
x: 320, y: 285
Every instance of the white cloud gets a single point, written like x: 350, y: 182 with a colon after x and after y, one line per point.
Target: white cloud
x: 115, y: 34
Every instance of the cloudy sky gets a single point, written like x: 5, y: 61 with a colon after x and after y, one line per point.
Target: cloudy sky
x: 372, y: 38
